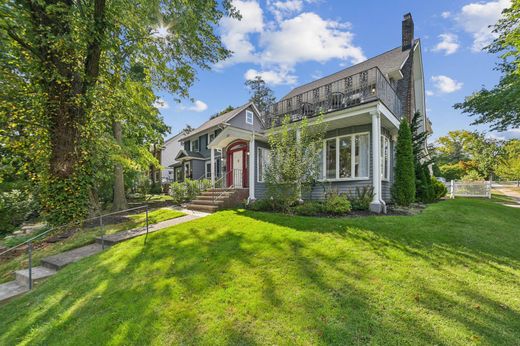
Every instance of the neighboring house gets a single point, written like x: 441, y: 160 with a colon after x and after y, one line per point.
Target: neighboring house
x: 362, y: 106
x: 169, y: 150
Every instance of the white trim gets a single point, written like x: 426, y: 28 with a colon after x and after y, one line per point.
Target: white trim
x: 250, y: 113
x: 251, y: 169
x: 352, y: 157
x: 198, y: 145
x: 387, y: 162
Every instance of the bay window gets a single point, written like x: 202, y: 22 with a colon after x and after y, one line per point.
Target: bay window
x: 347, y: 157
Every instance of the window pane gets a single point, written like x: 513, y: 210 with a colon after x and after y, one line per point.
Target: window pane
x: 345, y: 157
x: 387, y: 158
x: 361, y: 156
x: 260, y: 165
x: 331, y: 159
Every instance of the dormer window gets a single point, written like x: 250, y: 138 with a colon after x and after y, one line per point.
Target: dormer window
x: 195, y: 145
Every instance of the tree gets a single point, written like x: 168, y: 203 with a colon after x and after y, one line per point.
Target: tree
x: 224, y: 111
x: 500, y: 106
x: 403, y: 190
x: 293, y: 162
x: 58, y: 59
x: 508, y: 166
x: 261, y: 95
x: 423, y: 183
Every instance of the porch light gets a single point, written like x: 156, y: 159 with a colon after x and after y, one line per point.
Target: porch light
x: 373, y: 90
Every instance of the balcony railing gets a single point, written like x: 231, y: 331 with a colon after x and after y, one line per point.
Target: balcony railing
x: 360, y: 88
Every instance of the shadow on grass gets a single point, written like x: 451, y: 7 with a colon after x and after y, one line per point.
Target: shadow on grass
x: 256, y: 278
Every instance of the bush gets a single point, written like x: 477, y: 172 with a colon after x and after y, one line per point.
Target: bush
x: 187, y: 190
x: 473, y: 176
x: 336, y: 204
x: 156, y: 189
x: 439, y: 189
x: 362, y: 198
x: 16, y: 206
x: 310, y: 208
x: 260, y: 205
x: 403, y: 190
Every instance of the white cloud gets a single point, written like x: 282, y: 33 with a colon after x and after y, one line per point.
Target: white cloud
x: 197, y: 106
x: 294, y: 38
x: 236, y: 33
x: 311, y: 38
x: 429, y: 93
x: 449, y: 44
x: 273, y: 77
x: 475, y: 18
x: 282, y: 9
x: 504, y: 136
x: 161, y: 104
x: 446, y: 14
x: 445, y: 84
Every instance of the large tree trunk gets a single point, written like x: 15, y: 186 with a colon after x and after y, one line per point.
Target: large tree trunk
x: 119, y: 202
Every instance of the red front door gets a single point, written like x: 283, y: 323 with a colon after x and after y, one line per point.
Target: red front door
x: 236, y: 162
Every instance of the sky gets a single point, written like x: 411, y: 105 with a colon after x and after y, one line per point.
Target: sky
x: 292, y: 42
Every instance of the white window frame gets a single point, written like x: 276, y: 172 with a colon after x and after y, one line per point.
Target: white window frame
x: 385, y: 163
x: 192, y: 147
x: 249, y: 115
x: 210, y: 139
x: 207, y: 173
x: 352, y: 161
x: 260, y: 179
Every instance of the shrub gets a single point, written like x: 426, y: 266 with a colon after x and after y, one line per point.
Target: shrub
x: 16, y: 206
x: 473, y: 176
x: 310, y: 208
x: 260, y: 205
x: 439, y: 189
x: 187, y: 190
x: 156, y: 188
x: 336, y: 204
x: 362, y: 198
x: 403, y: 190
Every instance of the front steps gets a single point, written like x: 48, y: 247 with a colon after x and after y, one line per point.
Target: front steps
x: 211, y: 200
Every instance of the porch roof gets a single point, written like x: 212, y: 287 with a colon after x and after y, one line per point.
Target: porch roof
x: 230, y: 134
x: 188, y: 155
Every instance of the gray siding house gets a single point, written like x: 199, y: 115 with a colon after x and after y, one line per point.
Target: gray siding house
x: 362, y: 107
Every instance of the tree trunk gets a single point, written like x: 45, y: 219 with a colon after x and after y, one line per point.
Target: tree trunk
x: 119, y: 202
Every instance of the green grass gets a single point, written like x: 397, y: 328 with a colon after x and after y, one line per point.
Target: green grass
x: 83, y: 237
x: 450, y: 275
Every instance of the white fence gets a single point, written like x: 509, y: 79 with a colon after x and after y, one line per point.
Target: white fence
x: 469, y: 189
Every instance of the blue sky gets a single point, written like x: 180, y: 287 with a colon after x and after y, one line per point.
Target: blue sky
x: 291, y: 42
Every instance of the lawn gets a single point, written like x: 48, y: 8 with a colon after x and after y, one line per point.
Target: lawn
x: 83, y: 237
x: 450, y: 275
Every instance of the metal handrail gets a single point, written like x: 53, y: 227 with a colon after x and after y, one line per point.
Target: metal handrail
x: 227, y: 189
x: 30, y: 241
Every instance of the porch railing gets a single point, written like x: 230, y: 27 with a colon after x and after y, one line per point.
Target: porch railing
x: 350, y: 91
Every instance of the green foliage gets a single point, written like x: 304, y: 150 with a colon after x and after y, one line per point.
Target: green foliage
x: 336, y: 204
x: 508, y: 165
x: 261, y: 95
x: 500, y: 106
x: 293, y: 162
x: 473, y: 175
x: 188, y: 189
x: 439, y: 189
x: 261, y: 205
x: 16, y: 206
x: 403, y: 190
x: 362, y: 198
x: 72, y: 69
x: 453, y: 171
x: 309, y: 208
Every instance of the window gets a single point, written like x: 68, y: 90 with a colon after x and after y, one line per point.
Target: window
x: 262, y: 162
x: 347, y: 157
x: 249, y: 117
x: 195, y: 145
x: 211, y: 138
x: 208, y: 169
x: 385, y: 158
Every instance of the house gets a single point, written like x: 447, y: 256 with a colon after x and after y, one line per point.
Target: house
x: 362, y: 106
x: 170, y: 148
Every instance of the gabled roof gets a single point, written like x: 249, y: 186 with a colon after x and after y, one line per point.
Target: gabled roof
x: 185, y: 154
x: 217, y: 120
x: 387, y: 62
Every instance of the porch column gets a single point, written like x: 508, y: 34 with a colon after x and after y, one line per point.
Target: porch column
x: 376, y: 205
x: 212, y: 167
x: 252, y: 169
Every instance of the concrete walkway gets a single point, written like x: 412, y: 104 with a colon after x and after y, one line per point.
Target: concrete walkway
x: 514, y: 194
x: 54, y: 263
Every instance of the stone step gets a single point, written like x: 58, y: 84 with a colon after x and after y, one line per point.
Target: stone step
x: 63, y: 259
x: 203, y: 207
x: 211, y: 198
x: 219, y: 193
x: 10, y: 290
x: 38, y: 274
x: 207, y: 202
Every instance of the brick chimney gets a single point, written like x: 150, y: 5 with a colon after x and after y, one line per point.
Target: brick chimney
x: 407, y: 32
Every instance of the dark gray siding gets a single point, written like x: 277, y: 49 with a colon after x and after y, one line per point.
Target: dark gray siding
x: 239, y: 121
x: 198, y: 168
